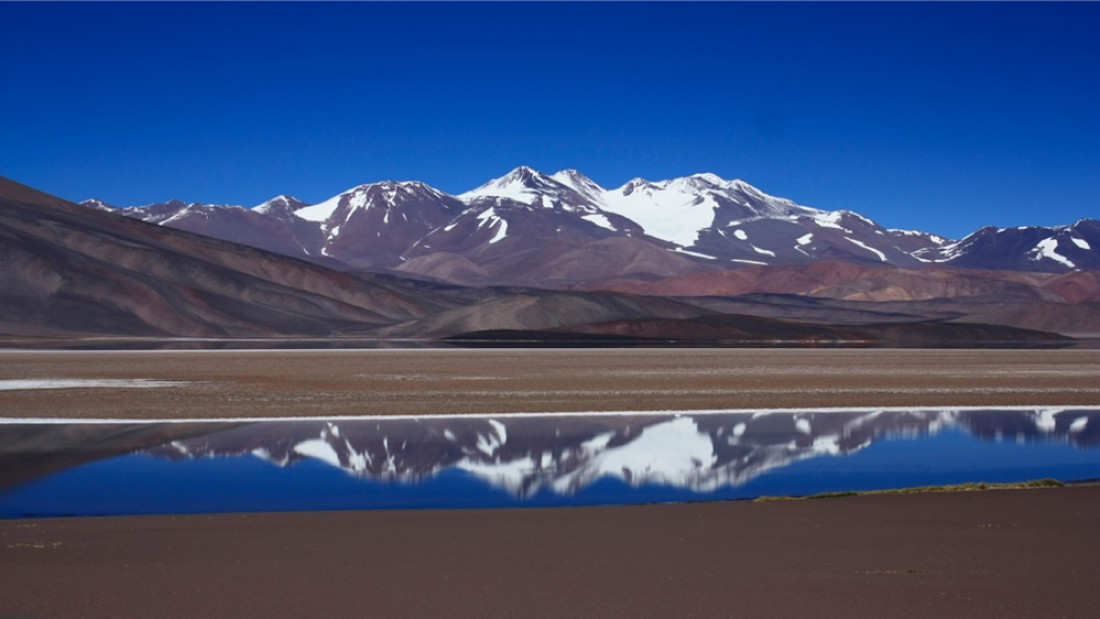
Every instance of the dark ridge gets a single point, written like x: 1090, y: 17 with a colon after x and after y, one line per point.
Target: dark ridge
x: 516, y: 338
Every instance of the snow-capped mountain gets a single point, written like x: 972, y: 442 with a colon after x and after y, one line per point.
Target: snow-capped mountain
x: 562, y: 229
x: 371, y: 226
x: 712, y: 222
x: 529, y: 454
x: 526, y: 227
x: 680, y: 209
x: 280, y: 206
x: 1031, y: 248
x: 526, y: 186
x: 732, y: 221
x: 528, y: 191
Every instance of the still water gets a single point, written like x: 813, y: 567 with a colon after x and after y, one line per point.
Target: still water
x: 81, y: 469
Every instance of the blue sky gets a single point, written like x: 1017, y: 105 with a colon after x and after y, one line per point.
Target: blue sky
x: 941, y: 116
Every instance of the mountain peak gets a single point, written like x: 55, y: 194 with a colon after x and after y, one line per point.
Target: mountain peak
x: 709, y: 177
x: 285, y: 199
x: 572, y: 174
x: 523, y: 184
x: 99, y: 205
x: 523, y: 171
x: 581, y: 184
x: 381, y: 194
x: 635, y: 184
x: 529, y: 177
x: 280, y: 203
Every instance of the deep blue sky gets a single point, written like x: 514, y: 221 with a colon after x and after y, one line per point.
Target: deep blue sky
x: 941, y: 116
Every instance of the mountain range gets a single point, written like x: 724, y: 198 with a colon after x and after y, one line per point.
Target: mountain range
x: 556, y: 257
x: 560, y: 230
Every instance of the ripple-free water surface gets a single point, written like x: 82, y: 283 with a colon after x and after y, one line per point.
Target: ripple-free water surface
x: 527, y: 460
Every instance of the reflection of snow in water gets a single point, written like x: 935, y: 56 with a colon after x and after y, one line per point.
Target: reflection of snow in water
x: 20, y: 384
x: 567, y: 459
x: 701, y: 451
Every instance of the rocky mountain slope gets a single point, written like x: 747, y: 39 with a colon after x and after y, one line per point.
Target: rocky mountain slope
x: 69, y: 269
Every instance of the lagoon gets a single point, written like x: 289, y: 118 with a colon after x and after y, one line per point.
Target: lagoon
x: 61, y: 468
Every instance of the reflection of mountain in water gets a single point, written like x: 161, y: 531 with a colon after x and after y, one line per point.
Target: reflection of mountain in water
x: 526, y: 454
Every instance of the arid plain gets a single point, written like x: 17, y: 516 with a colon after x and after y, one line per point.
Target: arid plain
x: 992, y: 553
x: 283, y: 383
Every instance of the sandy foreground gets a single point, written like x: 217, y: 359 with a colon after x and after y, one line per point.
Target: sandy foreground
x: 977, y: 554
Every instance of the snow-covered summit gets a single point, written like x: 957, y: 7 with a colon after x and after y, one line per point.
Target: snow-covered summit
x: 523, y: 185
x: 280, y: 205
x: 529, y: 187
x: 678, y: 209
x: 384, y: 194
x: 580, y: 183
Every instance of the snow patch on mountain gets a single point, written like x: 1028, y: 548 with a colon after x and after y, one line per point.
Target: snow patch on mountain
x: 688, y: 252
x: 935, y: 238
x: 600, y: 220
x: 881, y: 256
x: 831, y: 220
x: 319, y: 212
x: 670, y: 210
x: 489, y: 217
x: 1048, y: 248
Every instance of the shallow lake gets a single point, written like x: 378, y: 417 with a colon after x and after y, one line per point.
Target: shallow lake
x: 80, y: 469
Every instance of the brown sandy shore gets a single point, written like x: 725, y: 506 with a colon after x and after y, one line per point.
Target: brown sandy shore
x: 1025, y: 553
x: 383, y: 382
x: 976, y: 554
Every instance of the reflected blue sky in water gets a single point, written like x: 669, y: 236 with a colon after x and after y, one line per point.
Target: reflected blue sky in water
x: 141, y: 483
